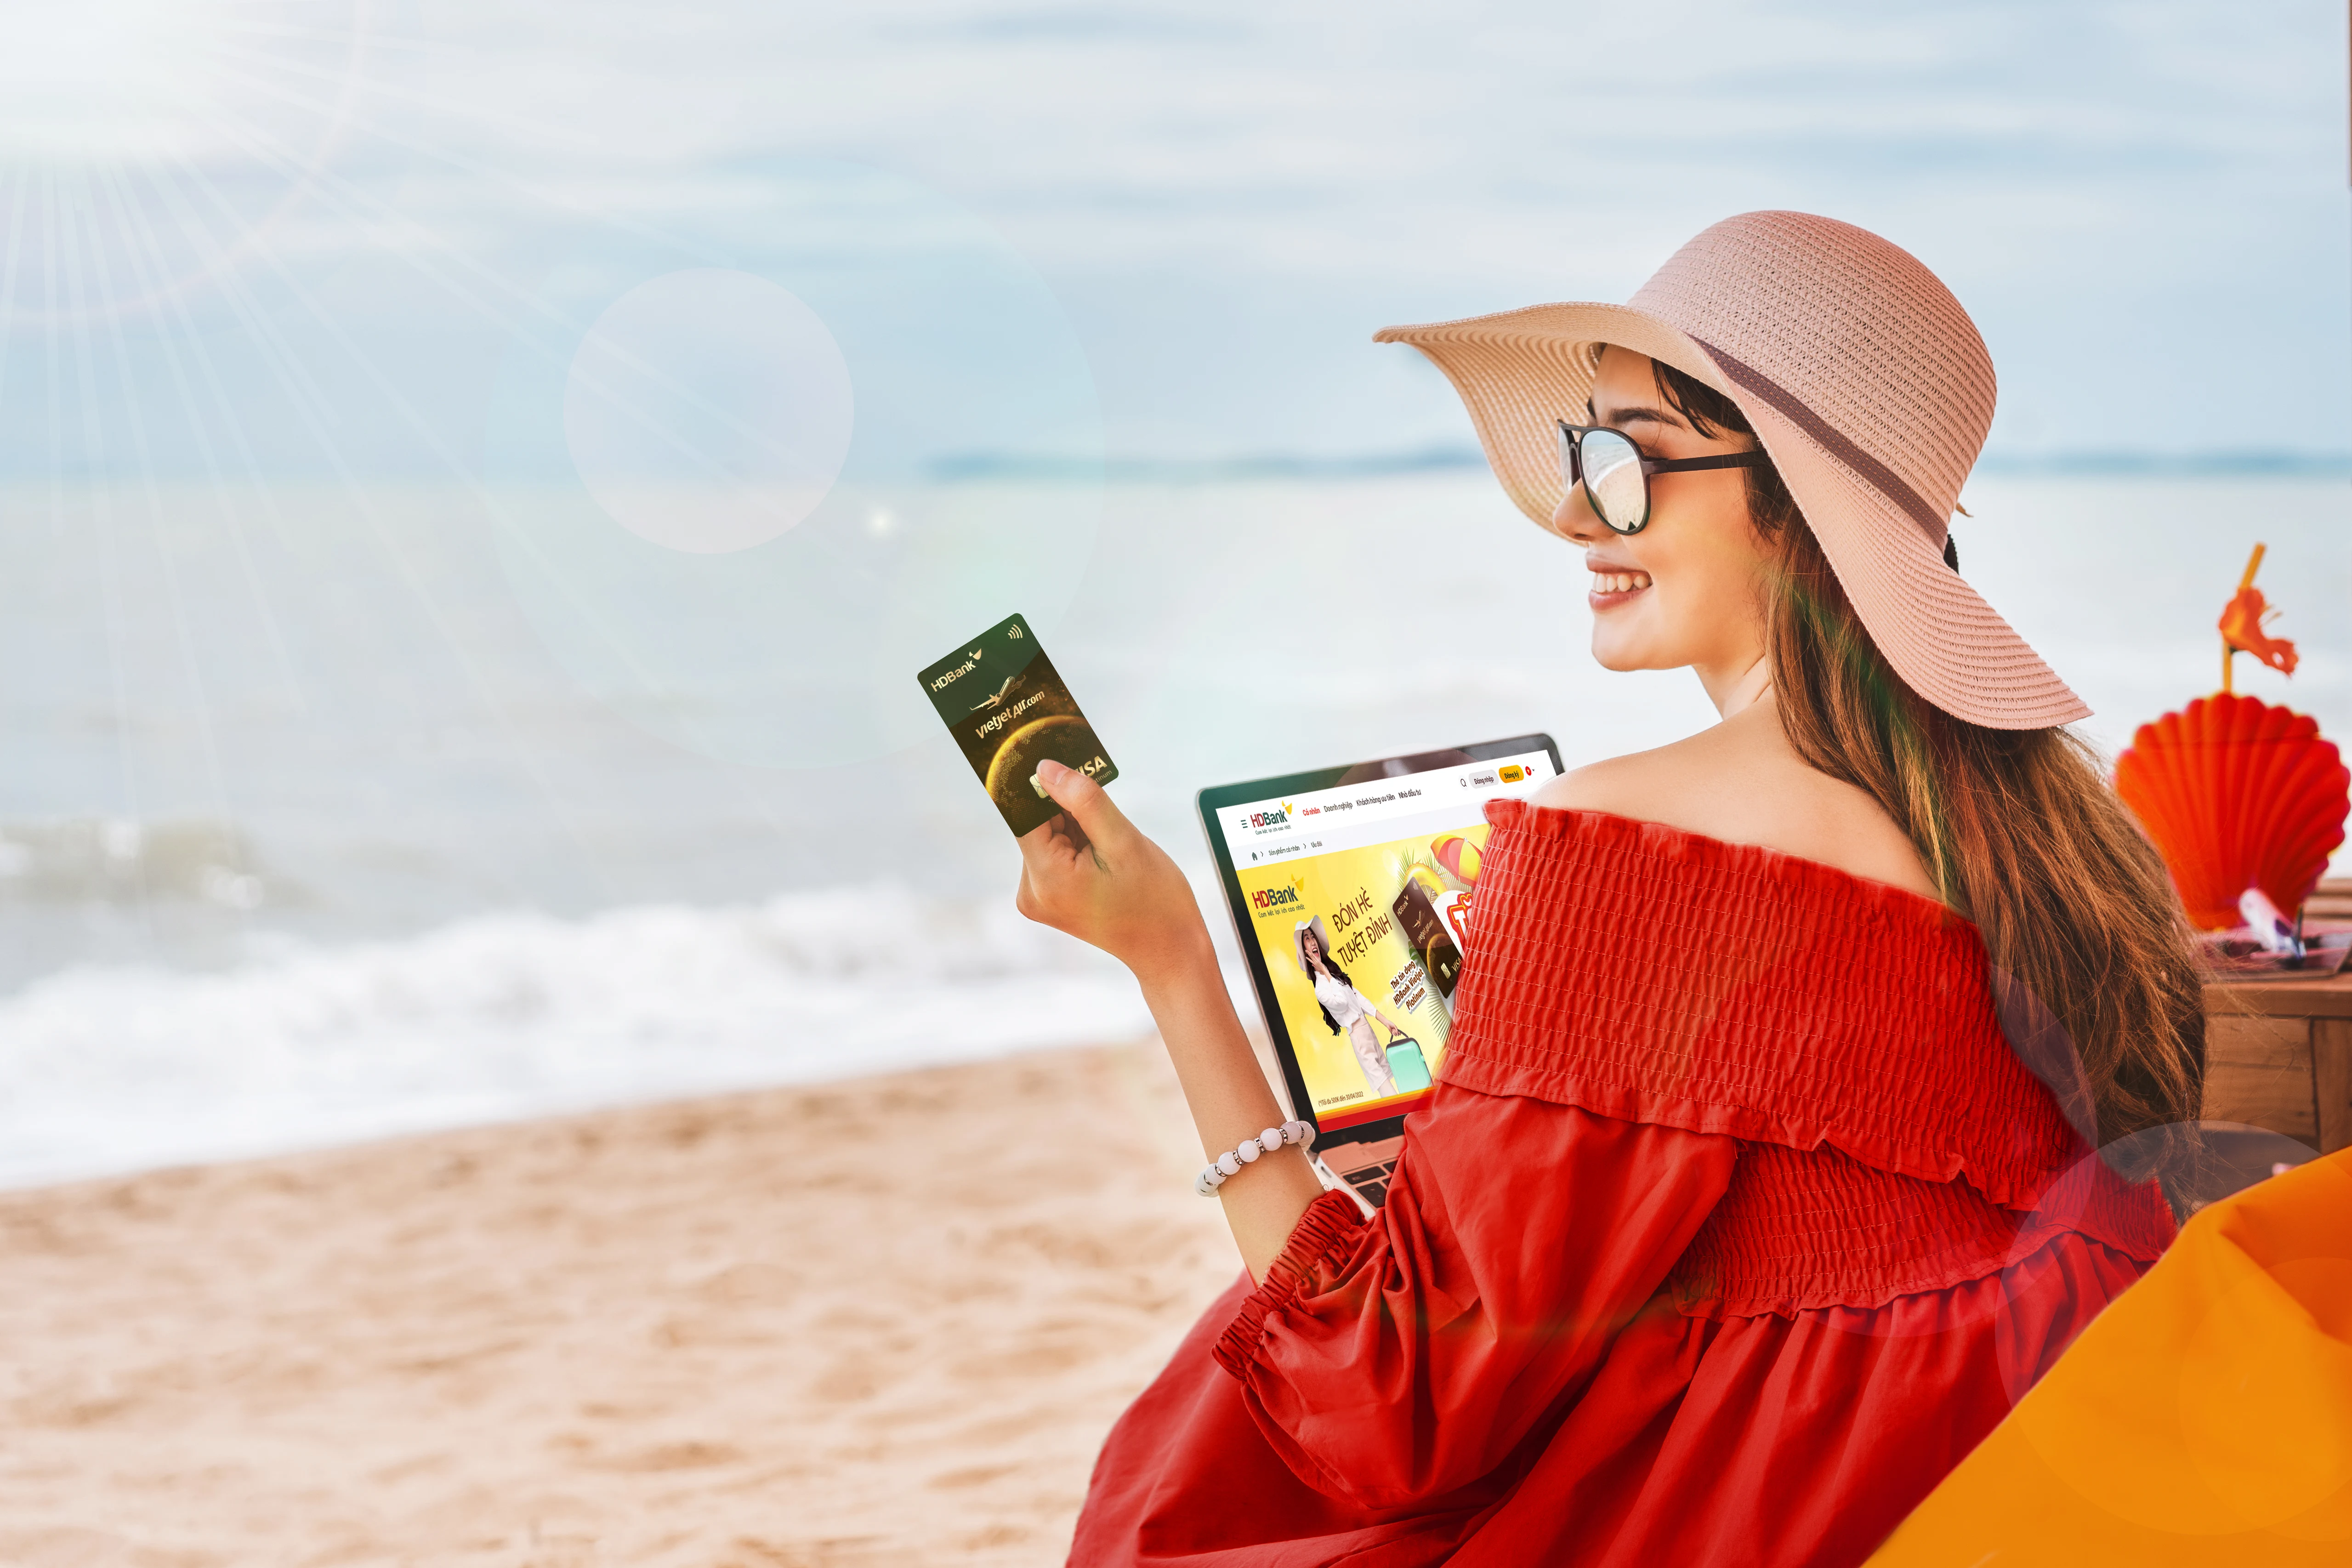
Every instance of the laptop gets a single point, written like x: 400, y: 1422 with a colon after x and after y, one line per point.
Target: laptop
x: 1350, y: 889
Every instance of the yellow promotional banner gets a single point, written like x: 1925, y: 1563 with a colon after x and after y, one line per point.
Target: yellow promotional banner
x: 1364, y: 950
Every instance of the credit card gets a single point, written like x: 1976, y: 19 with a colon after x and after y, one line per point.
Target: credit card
x: 1008, y: 709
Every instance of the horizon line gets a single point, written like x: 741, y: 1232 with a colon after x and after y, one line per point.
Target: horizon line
x: 2283, y: 463
x: 2087, y: 462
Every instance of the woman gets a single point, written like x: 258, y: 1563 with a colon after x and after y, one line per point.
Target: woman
x: 1760, y: 1180
x: 1345, y: 1007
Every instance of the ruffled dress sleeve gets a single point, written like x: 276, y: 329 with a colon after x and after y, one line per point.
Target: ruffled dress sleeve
x: 1394, y: 1359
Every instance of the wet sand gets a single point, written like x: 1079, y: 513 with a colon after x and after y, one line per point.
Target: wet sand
x: 885, y: 1321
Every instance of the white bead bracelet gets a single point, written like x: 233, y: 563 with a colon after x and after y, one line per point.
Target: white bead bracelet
x: 1228, y: 1165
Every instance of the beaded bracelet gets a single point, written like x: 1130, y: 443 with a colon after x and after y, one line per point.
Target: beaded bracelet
x: 1228, y: 1165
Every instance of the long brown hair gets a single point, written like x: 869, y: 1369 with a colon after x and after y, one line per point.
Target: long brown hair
x: 2019, y: 830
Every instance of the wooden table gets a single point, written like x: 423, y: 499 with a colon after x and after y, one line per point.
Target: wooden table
x: 2278, y: 1053
x: 2279, y: 1057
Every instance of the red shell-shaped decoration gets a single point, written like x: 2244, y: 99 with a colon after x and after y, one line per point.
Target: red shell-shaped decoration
x: 2237, y: 794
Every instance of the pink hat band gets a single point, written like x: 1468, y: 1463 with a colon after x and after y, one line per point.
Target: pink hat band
x: 1866, y: 383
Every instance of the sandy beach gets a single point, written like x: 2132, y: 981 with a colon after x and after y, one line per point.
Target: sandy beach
x: 882, y: 1322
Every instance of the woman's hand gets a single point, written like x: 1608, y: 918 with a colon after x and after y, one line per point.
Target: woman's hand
x: 1089, y: 872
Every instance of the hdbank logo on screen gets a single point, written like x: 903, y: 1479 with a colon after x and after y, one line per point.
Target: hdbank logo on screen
x: 1273, y: 901
x: 1264, y: 819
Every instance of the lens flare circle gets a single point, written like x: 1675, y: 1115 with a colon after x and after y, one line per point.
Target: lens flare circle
x: 708, y: 410
x: 838, y: 429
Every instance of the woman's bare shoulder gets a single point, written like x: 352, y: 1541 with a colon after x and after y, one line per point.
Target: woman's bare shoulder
x: 1620, y: 785
x: 1697, y: 776
x: 1742, y: 783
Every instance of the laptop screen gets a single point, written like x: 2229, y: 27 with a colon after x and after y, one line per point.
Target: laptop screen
x: 1350, y: 889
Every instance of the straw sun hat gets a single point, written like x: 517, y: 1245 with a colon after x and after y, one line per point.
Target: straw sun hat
x: 1866, y: 383
x: 1298, y: 943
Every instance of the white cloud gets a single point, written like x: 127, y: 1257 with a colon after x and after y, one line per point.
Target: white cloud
x: 1236, y: 194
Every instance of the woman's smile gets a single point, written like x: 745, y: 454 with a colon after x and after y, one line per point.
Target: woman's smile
x: 1613, y: 585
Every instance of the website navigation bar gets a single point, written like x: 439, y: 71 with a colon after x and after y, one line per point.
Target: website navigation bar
x: 1350, y: 815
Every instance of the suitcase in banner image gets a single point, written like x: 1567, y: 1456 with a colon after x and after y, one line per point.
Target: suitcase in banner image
x: 1406, y: 1065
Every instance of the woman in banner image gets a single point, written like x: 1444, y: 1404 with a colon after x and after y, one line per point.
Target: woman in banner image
x: 1810, y: 1078
x: 1345, y: 1007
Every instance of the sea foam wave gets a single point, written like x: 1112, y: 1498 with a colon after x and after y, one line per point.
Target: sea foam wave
x: 112, y: 1069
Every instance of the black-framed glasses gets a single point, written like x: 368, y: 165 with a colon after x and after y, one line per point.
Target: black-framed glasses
x: 1616, y: 476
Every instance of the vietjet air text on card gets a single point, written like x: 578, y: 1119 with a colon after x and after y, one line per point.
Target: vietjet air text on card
x: 1383, y: 874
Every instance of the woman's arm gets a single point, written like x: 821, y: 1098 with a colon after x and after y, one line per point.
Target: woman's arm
x: 1089, y: 872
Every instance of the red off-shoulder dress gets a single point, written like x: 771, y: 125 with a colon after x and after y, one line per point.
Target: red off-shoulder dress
x: 1734, y: 1222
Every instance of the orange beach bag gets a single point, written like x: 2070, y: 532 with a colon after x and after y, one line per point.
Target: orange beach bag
x: 2205, y: 1418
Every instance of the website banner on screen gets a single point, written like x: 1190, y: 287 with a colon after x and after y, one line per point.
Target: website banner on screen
x: 1359, y: 898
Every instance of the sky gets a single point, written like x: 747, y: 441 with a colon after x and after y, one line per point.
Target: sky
x: 299, y: 237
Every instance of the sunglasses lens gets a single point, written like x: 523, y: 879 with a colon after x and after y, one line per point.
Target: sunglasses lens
x: 1612, y: 478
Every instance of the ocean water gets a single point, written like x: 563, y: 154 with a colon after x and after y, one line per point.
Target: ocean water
x: 314, y: 826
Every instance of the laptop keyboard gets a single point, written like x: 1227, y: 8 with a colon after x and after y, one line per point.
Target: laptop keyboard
x: 1372, y: 1181
x: 1366, y: 1167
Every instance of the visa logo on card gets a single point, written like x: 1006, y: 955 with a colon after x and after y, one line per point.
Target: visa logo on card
x: 1001, y: 698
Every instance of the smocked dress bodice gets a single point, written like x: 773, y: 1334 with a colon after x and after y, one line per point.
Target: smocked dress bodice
x: 1734, y: 1222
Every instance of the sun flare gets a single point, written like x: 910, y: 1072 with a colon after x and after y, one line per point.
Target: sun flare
x: 147, y: 144
x: 110, y: 80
